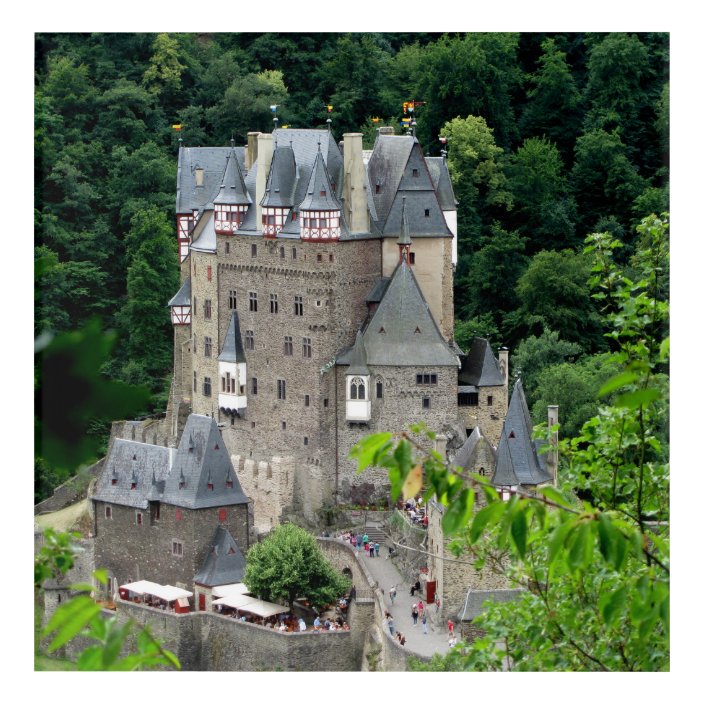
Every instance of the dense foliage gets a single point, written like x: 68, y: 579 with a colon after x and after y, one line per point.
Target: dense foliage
x: 550, y: 136
x: 593, y: 557
x: 288, y: 564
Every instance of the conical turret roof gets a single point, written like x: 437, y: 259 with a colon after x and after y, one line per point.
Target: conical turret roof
x: 232, y: 189
x: 319, y: 194
x: 232, y: 348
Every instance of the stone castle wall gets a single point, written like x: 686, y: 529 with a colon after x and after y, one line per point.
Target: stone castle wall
x: 490, y: 418
x: 130, y: 552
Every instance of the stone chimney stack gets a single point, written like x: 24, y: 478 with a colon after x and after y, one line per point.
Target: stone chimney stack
x: 386, y: 130
x: 441, y: 445
x: 265, y: 151
x: 355, y: 189
x: 552, y: 455
x: 250, y: 155
x: 503, y: 364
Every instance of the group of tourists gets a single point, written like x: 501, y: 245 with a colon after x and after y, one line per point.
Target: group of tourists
x: 359, y: 541
x: 415, y: 511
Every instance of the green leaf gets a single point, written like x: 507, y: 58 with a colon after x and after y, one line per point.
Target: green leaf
x: 458, y: 512
x: 367, y: 448
x: 519, y: 530
x: 557, y: 540
x: 579, y: 551
x: 486, y: 518
x: 70, y: 619
x: 617, y: 382
x: 612, y: 603
x: 636, y: 399
x: 552, y: 494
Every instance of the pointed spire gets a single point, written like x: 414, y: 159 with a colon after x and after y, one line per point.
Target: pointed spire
x: 404, y: 238
x: 232, y: 347
x: 232, y: 188
x: 358, y: 359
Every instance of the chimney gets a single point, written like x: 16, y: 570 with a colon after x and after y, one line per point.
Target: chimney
x: 355, y: 190
x: 386, y: 130
x: 441, y: 445
x: 503, y: 364
x: 552, y: 455
x: 264, y: 155
x: 251, y: 152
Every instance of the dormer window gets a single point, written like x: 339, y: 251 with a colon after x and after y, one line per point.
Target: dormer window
x: 211, y: 486
x: 415, y: 173
x: 199, y: 175
x: 228, y: 484
x: 323, y: 193
x: 114, y: 481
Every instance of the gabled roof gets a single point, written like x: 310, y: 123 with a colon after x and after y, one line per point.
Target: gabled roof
x: 358, y: 358
x: 225, y: 563
x: 202, y: 459
x: 282, y: 179
x: 131, y: 462
x: 183, y: 297
x: 516, y: 457
x: 480, y: 367
x: 437, y: 166
x: 402, y: 331
x: 319, y: 194
x: 466, y: 455
x: 232, y: 348
x: 378, y: 290
x: 205, y: 239
x: 232, y: 190
x: 212, y: 160
x: 476, y: 601
x: 386, y: 166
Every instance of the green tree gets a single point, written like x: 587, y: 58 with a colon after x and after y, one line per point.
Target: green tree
x: 481, y: 326
x: 543, y: 212
x: 534, y: 354
x: 592, y: 558
x: 553, y: 108
x: 288, y: 564
x: 152, y: 279
x: 163, y: 75
x: 554, y: 293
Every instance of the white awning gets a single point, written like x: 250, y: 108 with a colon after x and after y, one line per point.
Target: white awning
x: 264, y: 608
x: 165, y: 592
x: 230, y: 589
x: 234, y: 601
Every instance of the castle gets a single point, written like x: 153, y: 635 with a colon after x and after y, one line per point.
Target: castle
x: 316, y: 307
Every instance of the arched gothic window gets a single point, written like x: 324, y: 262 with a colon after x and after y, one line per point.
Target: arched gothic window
x: 357, y: 389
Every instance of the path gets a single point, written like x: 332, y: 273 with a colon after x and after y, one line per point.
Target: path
x: 385, y: 573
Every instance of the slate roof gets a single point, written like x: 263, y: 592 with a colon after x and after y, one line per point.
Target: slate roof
x: 404, y: 237
x: 232, y: 348
x: 183, y: 297
x: 205, y: 239
x: 225, y: 563
x: 516, y: 457
x: 437, y: 166
x: 190, y: 197
x: 385, y: 170
x: 476, y: 600
x: 130, y: 462
x: 282, y: 179
x: 465, y: 457
x: 202, y: 458
x: 358, y: 358
x: 378, y: 290
x: 402, y: 331
x: 480, y: 367
x: 232, y: 190
x: 319, y: 194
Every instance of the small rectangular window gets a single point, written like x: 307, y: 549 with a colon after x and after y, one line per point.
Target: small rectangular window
x: 255, y: 387
x: 254, y: 250
x: 208, y: 346
x: 273, y: 303
x: 207, y: 309
x: 325, y: 403
x: 177, y: 548
x: 249, y: 339
x: 210, y: 273
x: 379, y: 389
x: 281, y: 389
x: 426, y: 402
x: 288, y: 346
x: 253, y: 301
x: 293, y: 250
x: 307, y: 348
x: 227, y: 247
x: 195, y: 382
x: 207, y: 387
x: 283, y: 425
x: 298, y: 305
x: 195, y: 306
x: 411, y: 257
x: 282, y: 253
x: 306, y: 400
x: 138, y: 517
x: 489, y: 400
x: 305, y: 439
x: 415, y: 173
x: 108, y: 512
x: 427, y: 213
x: 232, y: 300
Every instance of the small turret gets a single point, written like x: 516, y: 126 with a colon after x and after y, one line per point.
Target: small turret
x: 232, y: 200
x: 358, y: 406
x: 320, y: 210
x: 232, y: 369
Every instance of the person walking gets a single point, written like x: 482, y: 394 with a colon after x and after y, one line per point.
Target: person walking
x: 376, y: 549
x: 358, y: 540
x: 451, y: 627
x: 424, y: 622
x: 414, y: 614
x: 390, y: 622
x: 365, y: 540
x: 392, y: 594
